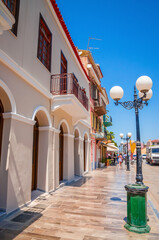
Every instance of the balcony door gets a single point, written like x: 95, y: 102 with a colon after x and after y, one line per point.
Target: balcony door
x: 63, y: 79
x: 1, y: 125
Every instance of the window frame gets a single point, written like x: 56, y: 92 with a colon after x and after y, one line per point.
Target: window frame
x: 63, y: 63
x: 43, y: 61
x: 15, y: 13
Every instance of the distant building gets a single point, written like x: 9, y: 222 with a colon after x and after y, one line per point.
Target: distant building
x: 152, y: 142
x: 98, y: 100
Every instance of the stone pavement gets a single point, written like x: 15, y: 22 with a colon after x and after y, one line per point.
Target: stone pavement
x: 92, y: 208
x: 151, y: 179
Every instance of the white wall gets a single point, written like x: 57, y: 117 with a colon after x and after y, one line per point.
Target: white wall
x: 23, y: 48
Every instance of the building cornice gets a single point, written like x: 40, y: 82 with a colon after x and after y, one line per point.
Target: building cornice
x: 10, y: 63
x: 18, y: 117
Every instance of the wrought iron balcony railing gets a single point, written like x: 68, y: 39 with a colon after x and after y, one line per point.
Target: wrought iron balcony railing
x: 100, y: 107
x: 67, y: 83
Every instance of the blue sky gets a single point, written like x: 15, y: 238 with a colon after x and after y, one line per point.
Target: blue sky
x: 129, y: 48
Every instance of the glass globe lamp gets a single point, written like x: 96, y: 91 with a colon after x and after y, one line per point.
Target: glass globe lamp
x: 148, y: 95
x: 116, y: 93
x: 121, y: 135
x: 129, y: 134
x: 144, y: 84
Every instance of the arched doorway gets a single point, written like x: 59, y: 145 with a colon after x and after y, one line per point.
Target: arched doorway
x: 61, y: 145
x: 84, y: 154
x: 1, y: 125
x: 35, y: 155
x: 40, y: 158
x: 76, y: 154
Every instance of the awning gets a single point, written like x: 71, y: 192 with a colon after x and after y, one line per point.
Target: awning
x: 111, y: 147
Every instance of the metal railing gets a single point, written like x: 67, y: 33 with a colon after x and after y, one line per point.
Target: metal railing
x: 67, y: 83
x: 98, y: 103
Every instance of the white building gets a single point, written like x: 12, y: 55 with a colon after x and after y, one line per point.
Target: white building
x: 44, y: 107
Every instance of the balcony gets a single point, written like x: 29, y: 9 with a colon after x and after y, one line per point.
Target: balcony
x: 69, y: 96
x: 99, y: 108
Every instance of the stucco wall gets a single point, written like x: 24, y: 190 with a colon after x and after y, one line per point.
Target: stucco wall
x: 23, y: 48
x: 19, y: 164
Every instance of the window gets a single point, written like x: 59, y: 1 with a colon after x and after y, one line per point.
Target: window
x: 63, y: 80
x: 63, y: 63
x: 13, y: 6
x: 44, y: 44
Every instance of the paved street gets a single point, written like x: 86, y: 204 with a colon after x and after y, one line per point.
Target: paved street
x: 92, y: 208
x: 151, y: 179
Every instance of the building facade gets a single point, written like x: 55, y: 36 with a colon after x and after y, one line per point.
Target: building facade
x: 98, y: 101
x: 44, y: 107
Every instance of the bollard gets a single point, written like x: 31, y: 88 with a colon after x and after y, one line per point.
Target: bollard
x: 137, y: 208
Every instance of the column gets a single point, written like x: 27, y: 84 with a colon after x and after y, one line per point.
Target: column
x: 16, y: 161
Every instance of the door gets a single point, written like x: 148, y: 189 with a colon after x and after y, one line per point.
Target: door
x: 93, y: 155
x: 63, y: 80
x: 1, y: 125
x: 61, y: 154
x: 84, y: 155
x: 35, y: 155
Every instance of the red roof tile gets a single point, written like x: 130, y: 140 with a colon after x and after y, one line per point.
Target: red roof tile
x: 156, y: 140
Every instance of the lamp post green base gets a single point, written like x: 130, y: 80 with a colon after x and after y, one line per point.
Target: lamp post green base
x: 145, y: 229
x: 137, y: 208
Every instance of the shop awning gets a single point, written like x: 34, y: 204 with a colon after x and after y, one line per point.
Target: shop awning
x: 111, y: 147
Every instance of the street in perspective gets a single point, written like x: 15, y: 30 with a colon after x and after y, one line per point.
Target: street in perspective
x: 92, y: 207
x: 79, y: 132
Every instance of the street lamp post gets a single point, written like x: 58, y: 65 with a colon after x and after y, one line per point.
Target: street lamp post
x: 128, y: 136
x: 121, y: 144
x: 136, y: 193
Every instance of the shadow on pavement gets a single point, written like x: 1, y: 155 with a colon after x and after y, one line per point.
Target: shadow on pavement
x: 125, y: 219
x: 79, y: 182
x: 117, y: 199
x: 14, y: 224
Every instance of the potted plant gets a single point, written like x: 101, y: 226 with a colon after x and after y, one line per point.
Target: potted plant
x: 102, y: 163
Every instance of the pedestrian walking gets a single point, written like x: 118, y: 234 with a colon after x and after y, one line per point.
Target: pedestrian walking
x: 120, y: 159
x: 114, y: 158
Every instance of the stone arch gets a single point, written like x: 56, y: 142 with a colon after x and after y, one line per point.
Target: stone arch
x: 7, y: 98
x: 65, y: 126
x: 64, y: 132
x: 85, y: 151
x: 40, y: 148
x: 86, y: 136
x: 43, y: 116
x: 77, y: 132
x: 77, y: 165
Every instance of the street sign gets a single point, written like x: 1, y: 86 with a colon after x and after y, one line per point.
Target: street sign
x: 132, y: 146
